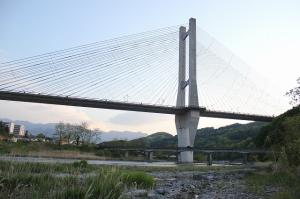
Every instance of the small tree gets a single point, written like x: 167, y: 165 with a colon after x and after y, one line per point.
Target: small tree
x: 41, y: 137
x: 86, y: 133
x: 27, y: 135
x: 295, y: 94
x: 60, y: 132
x: 77, y: 132
x: 69, y: 130
x: 3, y: 129
x: 97, y: 135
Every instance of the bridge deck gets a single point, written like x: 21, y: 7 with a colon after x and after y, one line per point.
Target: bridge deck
x: 92, y: 103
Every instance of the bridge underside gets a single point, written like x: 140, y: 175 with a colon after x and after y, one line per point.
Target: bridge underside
x: 104, y: 104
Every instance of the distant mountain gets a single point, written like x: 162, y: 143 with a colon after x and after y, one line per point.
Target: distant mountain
x: 121, y: 135
x: 48, y: 129
x: 231, y: 136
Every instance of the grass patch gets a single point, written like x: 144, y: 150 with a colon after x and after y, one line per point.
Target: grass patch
x: 138, y: 179
x: 28, y: 167
x: 287, y: 183
x: 64, y: 181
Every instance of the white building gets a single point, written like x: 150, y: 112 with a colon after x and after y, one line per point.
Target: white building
x: 10, y: 126
x: 19, y: 130
x: 15, y: 129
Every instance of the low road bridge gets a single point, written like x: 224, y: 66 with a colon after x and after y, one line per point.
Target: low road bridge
x: 149, y: 152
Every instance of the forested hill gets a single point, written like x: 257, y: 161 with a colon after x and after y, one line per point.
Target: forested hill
x: 232, y: 136
x: 283, y: 135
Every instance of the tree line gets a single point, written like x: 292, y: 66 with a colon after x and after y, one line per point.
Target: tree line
x: 76, y: 133
x: 3, y: 129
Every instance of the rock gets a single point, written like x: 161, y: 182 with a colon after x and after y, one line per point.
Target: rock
x: 210, y: 177
x: 192, y: 186
x: 151, y: 194
x: 160, y: 191
x: 139, y: 192
x: 169, y: 184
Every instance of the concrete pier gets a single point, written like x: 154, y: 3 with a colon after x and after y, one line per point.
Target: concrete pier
x: 245, y: 158
x: 187, y: 122
x: 126, y: 154
x: 209, y: 159
x: 149, y: 155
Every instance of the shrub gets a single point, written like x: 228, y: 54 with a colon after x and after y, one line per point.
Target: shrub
x: 81, y: 164
x: 138, y: 179
x: 107, y: 184
x: 100, y: 153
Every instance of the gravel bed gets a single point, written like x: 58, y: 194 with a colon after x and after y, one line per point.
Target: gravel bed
x: 200, y: 185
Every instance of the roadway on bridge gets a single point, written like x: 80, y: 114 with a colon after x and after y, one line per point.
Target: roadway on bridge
x: 93, y: 103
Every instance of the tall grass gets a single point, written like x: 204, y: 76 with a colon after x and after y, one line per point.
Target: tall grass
x: 138, y: 179
x: 63, y: 181
x: 287, y: 183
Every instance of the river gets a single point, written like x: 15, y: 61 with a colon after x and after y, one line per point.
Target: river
x: 104, y: 162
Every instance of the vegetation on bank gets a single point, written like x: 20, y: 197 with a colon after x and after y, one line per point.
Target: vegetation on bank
x: 77, y: 180
x: 287, y: 183
x: 237, y: 136
x: 231, y: 136
x: 282, y: 136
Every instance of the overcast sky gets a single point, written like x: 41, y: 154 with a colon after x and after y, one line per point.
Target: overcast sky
x: 264, y: 34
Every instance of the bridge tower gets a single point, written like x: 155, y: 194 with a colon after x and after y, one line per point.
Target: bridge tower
x: 187, y: 122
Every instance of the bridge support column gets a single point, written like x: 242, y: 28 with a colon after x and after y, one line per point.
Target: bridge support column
x: 187, y: 122
x: 186, y: 125
x: 245, y: 158
x: 126, y: 154
x: 150, y: 156
x: 209, y: 159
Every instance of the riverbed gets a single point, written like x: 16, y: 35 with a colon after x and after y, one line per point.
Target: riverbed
x: 201, y: 185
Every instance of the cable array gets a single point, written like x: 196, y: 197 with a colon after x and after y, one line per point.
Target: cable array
x: 142, y: 68
x: 138, y: 68
x: 226, y: 83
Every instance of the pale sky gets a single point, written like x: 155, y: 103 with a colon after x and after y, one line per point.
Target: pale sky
x: 264, y: 34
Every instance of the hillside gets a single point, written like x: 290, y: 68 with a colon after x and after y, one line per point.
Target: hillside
x: 283, y: 135
x: 231, y: 136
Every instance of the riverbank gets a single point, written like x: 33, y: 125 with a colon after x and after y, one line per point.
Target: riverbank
x: 50, y: 150
x: 76, y: 180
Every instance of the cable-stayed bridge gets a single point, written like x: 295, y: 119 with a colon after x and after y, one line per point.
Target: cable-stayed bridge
x: 161, y: 71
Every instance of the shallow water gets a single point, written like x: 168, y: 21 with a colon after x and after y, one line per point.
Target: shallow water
x: 100, y: 162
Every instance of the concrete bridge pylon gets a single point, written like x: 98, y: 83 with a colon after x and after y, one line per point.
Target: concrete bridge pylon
x: 187, y: 122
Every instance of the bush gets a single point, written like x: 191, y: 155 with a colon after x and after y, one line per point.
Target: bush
x: 81, y: 164
x: 138, y: 179
x: 100, y: 153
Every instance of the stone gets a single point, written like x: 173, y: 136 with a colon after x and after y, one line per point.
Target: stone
x: 160, y: 191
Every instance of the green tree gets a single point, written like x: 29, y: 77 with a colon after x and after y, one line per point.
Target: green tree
x: 295, y: 94
x: 3, y: 129
x: 40, y: 135
x: 283, y: 135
